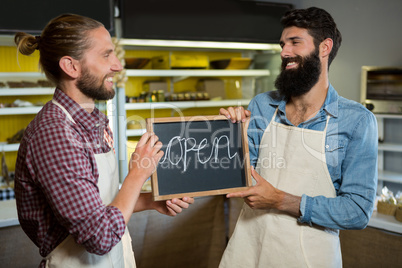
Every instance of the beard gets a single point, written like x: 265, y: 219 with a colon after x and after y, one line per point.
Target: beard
x: 92, y: 87
x: 297, y: 82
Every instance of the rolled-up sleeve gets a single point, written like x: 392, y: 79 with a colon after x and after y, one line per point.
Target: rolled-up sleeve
x: 354, y: 203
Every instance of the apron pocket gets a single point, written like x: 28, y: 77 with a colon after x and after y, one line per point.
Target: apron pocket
x: 320, y: 248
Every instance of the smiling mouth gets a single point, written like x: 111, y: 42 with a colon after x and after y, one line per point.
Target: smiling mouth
x: 291, y: 65
x: 109, y: 79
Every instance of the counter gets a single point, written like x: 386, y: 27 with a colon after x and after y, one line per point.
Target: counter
x: 8, y: 213
x: 9, y: 217
x: 385, y: 222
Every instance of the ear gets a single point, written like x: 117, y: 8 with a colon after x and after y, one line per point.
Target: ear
x: 326, y: 47
x: 70, y: 66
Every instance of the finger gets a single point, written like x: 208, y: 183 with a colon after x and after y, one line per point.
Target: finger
x: 224, y: 112
x: 188, y: 200
x: 171, y: 212
x: 180, y: 203
x: 157, y: 147
x: 153, y: 139
x: 144, y: 139
x: 159, y: 155
x: 174, y: 207
x: 236, y: 194
x: 240, y: 116
x: 232, y: 114
x: 255, y: 175
x: 247, y: 113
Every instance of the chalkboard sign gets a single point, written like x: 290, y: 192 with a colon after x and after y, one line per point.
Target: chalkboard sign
x: 203, y: 155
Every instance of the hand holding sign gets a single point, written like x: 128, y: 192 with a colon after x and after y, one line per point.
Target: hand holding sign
x: 238, y: 114
x: 204, y: 155
x: 146, y: 156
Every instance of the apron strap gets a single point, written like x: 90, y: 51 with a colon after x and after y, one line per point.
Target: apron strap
x: 64, y: 110
x: 326, y: 123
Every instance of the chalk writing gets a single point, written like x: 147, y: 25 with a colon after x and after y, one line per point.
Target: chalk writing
x: 190, y: 145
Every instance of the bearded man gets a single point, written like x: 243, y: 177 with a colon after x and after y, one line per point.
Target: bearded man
x: 67, y: 190
x: 327, y: 149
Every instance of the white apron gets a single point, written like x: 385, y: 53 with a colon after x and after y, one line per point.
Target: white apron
x: 293, y: 160
x: 69, y: 253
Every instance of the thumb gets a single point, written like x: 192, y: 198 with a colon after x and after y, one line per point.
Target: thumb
x: 255, y: 175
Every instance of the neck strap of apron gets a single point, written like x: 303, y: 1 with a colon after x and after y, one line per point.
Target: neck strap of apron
x: 64, y: 110
x: 326, y: 123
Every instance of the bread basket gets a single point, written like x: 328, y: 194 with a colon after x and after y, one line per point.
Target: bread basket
x: 386, y: 208
x: 398, y: 213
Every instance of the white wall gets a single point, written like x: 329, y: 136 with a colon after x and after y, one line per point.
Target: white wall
x: 372, y: 35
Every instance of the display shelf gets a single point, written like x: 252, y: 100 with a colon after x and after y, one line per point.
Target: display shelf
x: 390, y: 116
x: 178, y: 105
x: 383, y: 174
x: 385, y: 222
x: 390, y: 147
x: 135, y: 132
x: 247, y: 76
x: 197, y: 73
x: 155, y: 43
x: 21, y: 75
x: 26, y: 91
x: 8, y: 215
x: 390, y: 176
x: 378, y: 220
x: 185, y: 104
x: 5, y: 147
x: 20, y: 110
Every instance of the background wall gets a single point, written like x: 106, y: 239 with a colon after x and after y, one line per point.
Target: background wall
x: 371, y: 32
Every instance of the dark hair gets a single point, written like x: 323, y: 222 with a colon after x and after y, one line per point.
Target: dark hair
x: 319, y: 23
x: 65, y: 35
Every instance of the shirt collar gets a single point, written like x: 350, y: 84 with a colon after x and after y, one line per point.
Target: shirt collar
x: 79, y: 114
x: 330, y: 104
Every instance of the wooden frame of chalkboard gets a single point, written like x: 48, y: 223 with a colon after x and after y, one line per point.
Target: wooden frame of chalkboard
x: 203, y: 155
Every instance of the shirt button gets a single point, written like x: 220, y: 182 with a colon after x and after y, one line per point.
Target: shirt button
x: 327, y: 146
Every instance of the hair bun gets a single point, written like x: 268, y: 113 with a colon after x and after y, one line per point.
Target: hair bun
x: 37, y: 41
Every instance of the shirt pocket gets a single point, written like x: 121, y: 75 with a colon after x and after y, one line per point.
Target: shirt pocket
x: 335, y: 148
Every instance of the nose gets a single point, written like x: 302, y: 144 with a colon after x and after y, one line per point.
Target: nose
x: 116, y: 65
x: 285, y: 53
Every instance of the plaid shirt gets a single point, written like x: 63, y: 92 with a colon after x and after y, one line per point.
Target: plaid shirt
x: 56, y: 179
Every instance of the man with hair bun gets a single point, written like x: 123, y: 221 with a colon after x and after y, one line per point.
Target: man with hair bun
x: 314, y: 153
x: 66, y: 179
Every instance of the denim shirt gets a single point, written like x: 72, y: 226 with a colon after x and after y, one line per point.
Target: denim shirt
x: 351, y: 144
